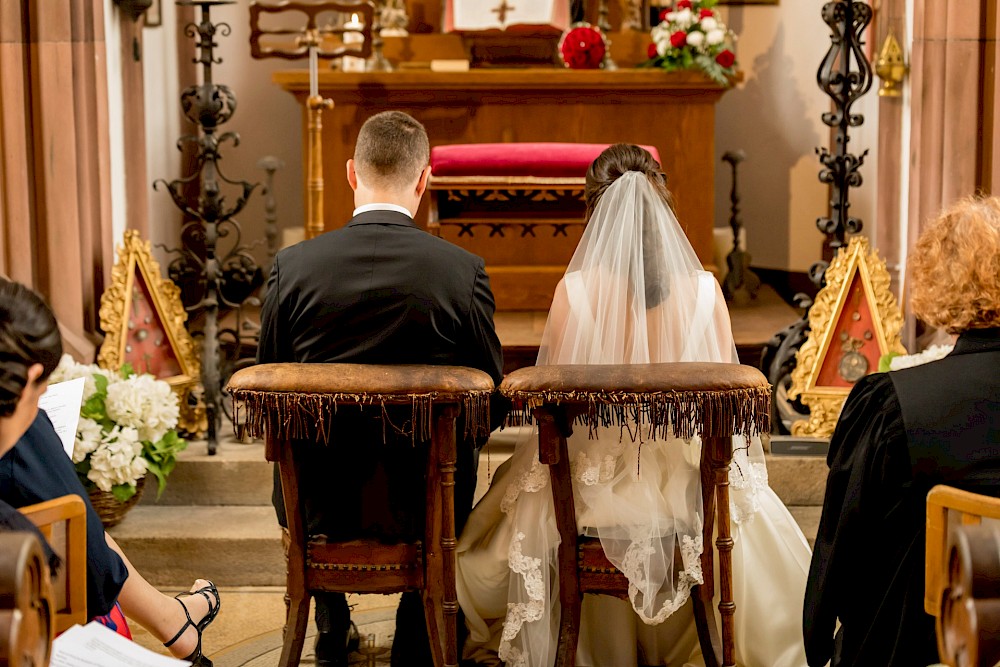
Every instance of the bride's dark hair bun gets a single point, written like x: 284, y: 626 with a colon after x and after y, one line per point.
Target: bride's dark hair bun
x: 29, y: 335
x: 615, y: 161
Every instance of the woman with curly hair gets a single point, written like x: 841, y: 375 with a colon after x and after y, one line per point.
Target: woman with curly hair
x: 34, y: 468
x: 901, y: 433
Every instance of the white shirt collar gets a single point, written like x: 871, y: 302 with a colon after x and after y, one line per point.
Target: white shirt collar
x: 382, y: 207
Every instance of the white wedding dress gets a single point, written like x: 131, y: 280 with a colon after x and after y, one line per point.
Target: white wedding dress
x: 634, y: 292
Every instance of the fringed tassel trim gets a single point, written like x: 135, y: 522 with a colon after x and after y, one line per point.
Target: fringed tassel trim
x: 744, y: 412
x: 301, y: 416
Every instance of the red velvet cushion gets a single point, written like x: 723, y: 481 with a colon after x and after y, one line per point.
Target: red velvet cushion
x: 517, y: 159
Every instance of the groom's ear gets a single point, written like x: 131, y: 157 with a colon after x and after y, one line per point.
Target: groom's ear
x: 425, y: 177
x: 352, y: 175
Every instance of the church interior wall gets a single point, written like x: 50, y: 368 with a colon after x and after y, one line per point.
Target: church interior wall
x: 774, y: 115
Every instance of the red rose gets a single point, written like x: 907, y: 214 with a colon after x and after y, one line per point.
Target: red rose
x: 583, y: 48
x: 679, y: 39
x: 705, y: 13
x: 651, y: 51
x: 684, y: 4
x: 726, y: 59
x: 664, y: 12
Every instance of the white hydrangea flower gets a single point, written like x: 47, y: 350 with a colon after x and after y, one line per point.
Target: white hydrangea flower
x: 669, y: 17
x: 144, y: 403
x: 662, y: 46
x: 114, y: 461
x: 708, y: 24
x: 713, y: 37
x: 933, y: 353
x: 88, y: 438
x: 70, y: 370
x: 695, y: 39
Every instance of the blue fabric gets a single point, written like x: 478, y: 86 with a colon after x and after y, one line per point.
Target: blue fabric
x: 37, y: 469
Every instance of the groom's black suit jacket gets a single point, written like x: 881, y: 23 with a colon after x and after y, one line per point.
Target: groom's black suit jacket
x: 377, y: 291
x: 899, y: 434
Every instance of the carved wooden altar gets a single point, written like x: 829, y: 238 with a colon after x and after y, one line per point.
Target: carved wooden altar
x: 673, y: 111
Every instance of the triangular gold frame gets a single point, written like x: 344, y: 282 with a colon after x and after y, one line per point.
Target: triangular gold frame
x: 135, y: 254
x: 825, y: 403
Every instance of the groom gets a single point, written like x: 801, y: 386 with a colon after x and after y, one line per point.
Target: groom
x: 378, y: 291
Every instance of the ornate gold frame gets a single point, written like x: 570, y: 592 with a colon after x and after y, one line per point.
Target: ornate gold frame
x: 166, y: 300
x: 825, y: 403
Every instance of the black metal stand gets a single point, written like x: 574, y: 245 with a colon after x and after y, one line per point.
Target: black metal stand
x: 210, y: 279
x: 845, y: 75
x: 741, y: 284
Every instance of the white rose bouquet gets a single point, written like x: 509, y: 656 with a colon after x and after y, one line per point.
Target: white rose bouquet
x: 691, y: 35
x: 126, y: 428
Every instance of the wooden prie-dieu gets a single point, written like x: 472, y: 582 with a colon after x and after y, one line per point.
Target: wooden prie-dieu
x: 294, y: 404
x: 713, y: 400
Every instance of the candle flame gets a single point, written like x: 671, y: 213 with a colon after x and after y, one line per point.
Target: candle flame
x: 354, y: 18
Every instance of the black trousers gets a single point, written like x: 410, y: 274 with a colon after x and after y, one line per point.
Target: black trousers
x: 370, y: 482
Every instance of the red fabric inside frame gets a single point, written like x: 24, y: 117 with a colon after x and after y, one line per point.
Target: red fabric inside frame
x: 518, y: 159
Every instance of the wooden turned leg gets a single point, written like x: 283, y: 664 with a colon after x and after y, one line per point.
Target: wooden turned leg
x: 440, y: 595
x: 704, y: 616
x: 722, y: 455
x: 553, y: 427
x: 296, y: 595
x: 295, y: 630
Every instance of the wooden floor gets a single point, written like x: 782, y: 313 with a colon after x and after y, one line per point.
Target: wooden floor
x: 520, y: 332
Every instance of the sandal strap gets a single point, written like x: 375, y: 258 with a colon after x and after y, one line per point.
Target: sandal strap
x: 184, y: 627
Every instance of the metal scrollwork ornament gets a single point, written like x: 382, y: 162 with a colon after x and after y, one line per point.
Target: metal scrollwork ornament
x: 211, y: 277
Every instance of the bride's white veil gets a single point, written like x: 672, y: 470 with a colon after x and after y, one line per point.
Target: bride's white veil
x: 634, y: 293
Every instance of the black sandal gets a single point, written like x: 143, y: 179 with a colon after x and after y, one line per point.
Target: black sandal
x: 196, y: 658
x: 213, y: 610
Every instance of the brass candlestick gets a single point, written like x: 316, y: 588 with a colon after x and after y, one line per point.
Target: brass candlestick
x: 378, y: 62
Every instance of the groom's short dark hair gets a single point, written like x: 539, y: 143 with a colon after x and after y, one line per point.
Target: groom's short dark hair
x: 392, y: 150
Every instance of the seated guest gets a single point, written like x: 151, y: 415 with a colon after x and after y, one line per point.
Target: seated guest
x: 899, y: 434
x: 34, y: 468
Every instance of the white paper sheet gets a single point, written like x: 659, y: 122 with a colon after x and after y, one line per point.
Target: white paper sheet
x: 61, y: 403
x: 95, y: 645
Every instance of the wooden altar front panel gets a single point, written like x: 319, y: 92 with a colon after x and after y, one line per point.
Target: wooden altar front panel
x: 674, y: 111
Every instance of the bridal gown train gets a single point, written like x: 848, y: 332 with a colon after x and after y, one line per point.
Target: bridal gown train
x: 770, y: 564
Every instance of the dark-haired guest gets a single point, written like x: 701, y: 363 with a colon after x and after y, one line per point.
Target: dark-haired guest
x: 34, y: 468
x: 899, y: 434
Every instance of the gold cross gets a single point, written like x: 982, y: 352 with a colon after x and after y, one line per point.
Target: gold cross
x: 502, y: 10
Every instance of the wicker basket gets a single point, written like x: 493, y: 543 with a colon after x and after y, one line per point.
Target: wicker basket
x: 109, y: 509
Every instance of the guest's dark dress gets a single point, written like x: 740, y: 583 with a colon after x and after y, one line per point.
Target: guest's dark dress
x: 37, y: 469
x: 899, y: 434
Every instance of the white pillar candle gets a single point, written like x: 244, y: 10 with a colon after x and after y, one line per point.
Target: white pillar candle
x: 352, y: 36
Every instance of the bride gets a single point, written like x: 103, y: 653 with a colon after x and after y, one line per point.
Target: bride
x: 633, y: 293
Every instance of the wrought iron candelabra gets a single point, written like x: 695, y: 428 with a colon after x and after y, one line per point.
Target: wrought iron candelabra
x: 845, y: 74
x: 210, y: 277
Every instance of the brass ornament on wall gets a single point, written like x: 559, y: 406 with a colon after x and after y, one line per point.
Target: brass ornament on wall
x: 826, y: 341
x: 163, y: 327
x: 891, y: 67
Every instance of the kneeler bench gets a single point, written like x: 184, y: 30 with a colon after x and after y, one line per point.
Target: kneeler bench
x: 714, y: 400
x: 288, y: 402
x: 519, y: 206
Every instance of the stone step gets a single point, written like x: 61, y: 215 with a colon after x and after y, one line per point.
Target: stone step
x: 231, y: 545
x: 239, y: 475
x: 236, y: 475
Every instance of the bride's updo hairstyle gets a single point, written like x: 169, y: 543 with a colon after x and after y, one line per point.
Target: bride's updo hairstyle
x: 29, y: 335
x: 614, y: 162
